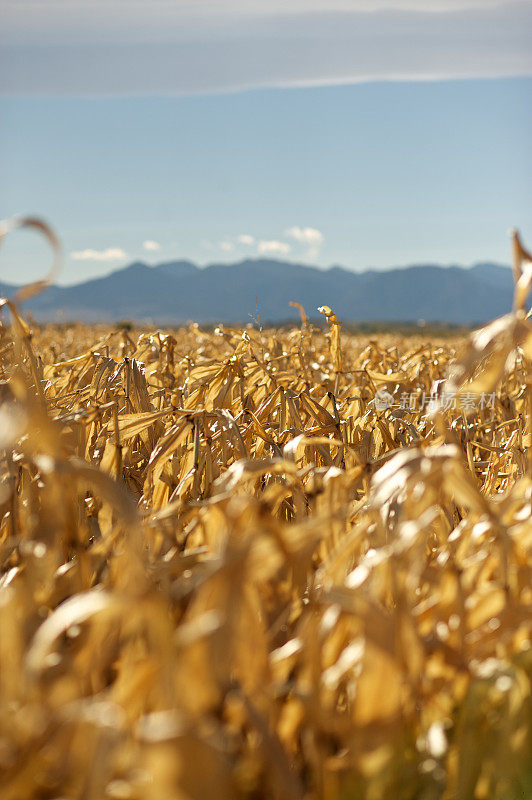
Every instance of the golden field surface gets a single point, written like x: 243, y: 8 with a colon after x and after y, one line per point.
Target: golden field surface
x: 261, y: 564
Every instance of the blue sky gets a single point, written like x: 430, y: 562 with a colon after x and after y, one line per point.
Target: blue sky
x: 237, y: 156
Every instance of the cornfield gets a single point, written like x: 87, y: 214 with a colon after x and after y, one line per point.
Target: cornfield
x: 266, y: 563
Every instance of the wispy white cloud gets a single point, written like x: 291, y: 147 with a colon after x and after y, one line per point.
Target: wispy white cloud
x: 246, y: 239
x: 110, y: 254
x: 255, y: 43
x: 161, y: 20
x: 273, y: 247
x: 150, y: 245
x: 227, y: 246
x: 311, y: 237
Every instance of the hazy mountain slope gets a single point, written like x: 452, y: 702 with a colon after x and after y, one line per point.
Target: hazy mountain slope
x: 178, y: 291
x: 496, y: 274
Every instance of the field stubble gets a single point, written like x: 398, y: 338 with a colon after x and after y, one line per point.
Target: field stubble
x: 229, y: 571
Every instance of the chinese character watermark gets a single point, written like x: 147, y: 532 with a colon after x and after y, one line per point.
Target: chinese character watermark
x: 434, y: 401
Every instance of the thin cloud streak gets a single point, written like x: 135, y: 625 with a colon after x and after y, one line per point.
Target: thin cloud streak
x: 61, y: 22
x: 110, y: 254
x: 297, y: 47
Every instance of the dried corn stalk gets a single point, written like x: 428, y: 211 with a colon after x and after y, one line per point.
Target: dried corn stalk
x: 228, y: 575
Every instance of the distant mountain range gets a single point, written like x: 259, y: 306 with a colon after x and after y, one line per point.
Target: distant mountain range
x: 179, y: 291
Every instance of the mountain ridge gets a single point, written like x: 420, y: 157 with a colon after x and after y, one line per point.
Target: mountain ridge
x: 175, y: 292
